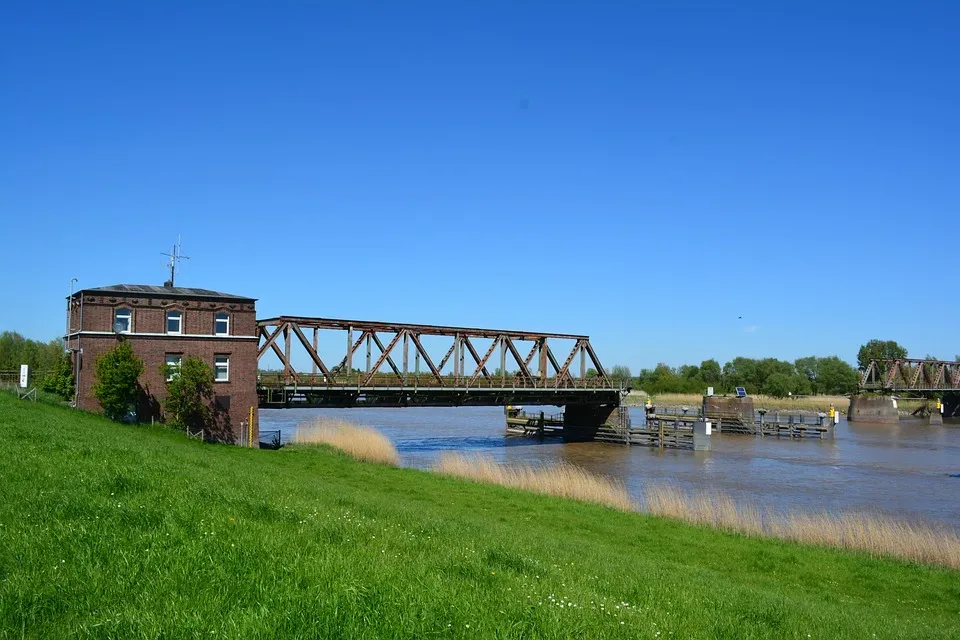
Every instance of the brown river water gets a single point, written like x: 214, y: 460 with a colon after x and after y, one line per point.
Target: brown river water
x: 896, y: 470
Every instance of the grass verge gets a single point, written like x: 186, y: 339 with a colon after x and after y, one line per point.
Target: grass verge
x: 118, y: 531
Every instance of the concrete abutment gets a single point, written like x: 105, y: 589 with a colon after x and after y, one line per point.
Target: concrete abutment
x: 873, y: 408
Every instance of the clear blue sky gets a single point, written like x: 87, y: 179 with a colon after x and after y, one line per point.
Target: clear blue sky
x: 645, y: 173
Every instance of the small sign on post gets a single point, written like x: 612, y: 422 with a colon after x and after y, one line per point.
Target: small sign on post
x: 24, y: 375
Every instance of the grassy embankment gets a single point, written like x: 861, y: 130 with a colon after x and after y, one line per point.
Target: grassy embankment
x: 802, y: 404
x: 116, y: 531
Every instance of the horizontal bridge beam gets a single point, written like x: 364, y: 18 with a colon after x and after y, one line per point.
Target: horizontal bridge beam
x: 421, y: 329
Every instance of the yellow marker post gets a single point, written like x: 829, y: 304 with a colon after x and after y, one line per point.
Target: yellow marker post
x: 250, y: 429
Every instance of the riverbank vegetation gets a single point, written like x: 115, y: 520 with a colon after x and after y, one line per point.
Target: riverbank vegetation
x: 360, y: 443
x: 812, y: 375
x: 815, y: 404
x: 113, y: 530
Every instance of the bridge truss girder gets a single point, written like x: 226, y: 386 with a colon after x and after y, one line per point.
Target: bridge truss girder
x: 540, y: 368
x: 910, y: 375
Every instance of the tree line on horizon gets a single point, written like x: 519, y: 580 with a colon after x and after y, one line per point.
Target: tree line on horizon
x: 811, y: 375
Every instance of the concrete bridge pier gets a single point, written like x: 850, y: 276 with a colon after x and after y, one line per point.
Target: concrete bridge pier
x: 951, y: 405
x: 873, y: 408
x: 583, y: 422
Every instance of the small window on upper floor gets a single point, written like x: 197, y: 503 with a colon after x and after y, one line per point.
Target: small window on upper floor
x: 221, y: 324
x: 174, y: 322
x: 122, y: 321
x: 221, y: 368
x: 173, y: 361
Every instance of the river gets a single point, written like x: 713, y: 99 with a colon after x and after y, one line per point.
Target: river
x: 897, y: 470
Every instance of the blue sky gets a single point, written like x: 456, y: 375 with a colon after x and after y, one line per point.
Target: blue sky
x: 677, y: 180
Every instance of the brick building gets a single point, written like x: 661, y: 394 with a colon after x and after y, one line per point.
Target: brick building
x: 164, y: 325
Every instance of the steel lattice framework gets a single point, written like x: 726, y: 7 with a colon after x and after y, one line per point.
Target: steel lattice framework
x: 387, y: 378
x: 911, y: 375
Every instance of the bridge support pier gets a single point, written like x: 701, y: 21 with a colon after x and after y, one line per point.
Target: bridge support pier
x: 935, y: 419
x: 728, y: 408
x: 582, y: 422
x: 873, y: 408
x: 951, y: 405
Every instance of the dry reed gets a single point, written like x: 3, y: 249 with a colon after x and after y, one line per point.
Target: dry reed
x: 363, y: 443
x: 806, y: 403
x: 564, y: 480
x: 871, y: 534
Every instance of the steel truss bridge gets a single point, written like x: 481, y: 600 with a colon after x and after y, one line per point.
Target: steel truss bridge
x: 425, y: 365
x: 915, y: 376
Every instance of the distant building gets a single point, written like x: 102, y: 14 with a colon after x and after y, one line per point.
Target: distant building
x: 164, y: 325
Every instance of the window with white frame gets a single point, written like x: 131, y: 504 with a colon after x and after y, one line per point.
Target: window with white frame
x: 122, y: 321
x: 173, y: 362
x: 221, y: 368
x: 174, y: 321
x: 221, y: 324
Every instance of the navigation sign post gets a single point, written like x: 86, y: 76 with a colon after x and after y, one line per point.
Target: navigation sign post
x: 24, y: 375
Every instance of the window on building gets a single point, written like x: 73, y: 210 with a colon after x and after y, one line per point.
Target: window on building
x: 174, y: 321
x: 221, y: 368
x: 173, y: 362
x: 122, y: 320
x: 221, y: 324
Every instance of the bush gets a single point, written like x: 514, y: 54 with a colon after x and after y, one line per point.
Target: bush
x: 118, y: 381
x: 189, y: 395
x: 60, y: 380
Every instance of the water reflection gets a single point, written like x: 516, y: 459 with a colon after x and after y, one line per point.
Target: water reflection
x: 900, y: 470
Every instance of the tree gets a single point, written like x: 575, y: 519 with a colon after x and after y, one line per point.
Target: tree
x: 879, y: 350
x: 620, y: 373
x: 834, y: 376
x: 189, y: 394
x: 60, y: 379
x: 118, y: 381
x: 710, y: 371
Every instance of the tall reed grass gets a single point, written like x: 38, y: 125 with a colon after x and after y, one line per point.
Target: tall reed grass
x: 807, y: 403
x: 871, y: 534
x: 363, y: 443
x: 564, y: 480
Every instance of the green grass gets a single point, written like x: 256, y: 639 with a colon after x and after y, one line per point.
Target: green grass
x: 117, y: 531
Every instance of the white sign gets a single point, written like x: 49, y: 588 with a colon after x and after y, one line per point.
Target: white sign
x: 24, y: 375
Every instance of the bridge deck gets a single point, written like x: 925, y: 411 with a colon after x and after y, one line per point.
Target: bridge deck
x: 277, y: 390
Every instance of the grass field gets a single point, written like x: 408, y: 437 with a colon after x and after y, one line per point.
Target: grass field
x: 118, y: 531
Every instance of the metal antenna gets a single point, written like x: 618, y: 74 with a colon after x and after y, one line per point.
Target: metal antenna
x: 175, y: 256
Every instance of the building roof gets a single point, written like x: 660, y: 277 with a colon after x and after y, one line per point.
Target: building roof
x: 164, y: 292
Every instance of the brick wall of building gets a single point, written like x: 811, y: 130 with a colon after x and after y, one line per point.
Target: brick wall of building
x: 151, y: 344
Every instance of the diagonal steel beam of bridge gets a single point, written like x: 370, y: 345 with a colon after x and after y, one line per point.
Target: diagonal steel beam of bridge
x: 910, y: 375
x: 463, y: 376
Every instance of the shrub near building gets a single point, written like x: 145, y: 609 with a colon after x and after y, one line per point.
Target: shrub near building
x: 118, y: 381
x: 189, y: 401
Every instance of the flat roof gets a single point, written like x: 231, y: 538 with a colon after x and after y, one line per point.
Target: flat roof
x: 164, y: 292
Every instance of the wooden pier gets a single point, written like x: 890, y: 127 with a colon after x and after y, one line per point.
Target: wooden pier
x: 790, y: 425
x: 521, y: 423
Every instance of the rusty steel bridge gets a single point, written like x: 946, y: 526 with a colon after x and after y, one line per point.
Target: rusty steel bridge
x: 451, y: 366
x: 911, y: 376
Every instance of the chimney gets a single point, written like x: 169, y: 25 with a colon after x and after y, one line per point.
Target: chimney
x: 168, y: 284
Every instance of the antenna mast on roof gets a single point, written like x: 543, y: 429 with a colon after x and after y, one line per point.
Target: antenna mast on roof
x: 175, y: 256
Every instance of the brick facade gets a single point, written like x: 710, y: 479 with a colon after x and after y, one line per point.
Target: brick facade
x: 94, y: 335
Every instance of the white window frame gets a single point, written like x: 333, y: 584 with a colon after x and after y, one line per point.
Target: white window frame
x: 128, y: 315
x: 179, y: 314
x: 217, y: 319
x: 217, y: 365
x: 175, y: 366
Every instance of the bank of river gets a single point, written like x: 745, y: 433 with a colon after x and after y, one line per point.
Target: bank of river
x: 898, y: 470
